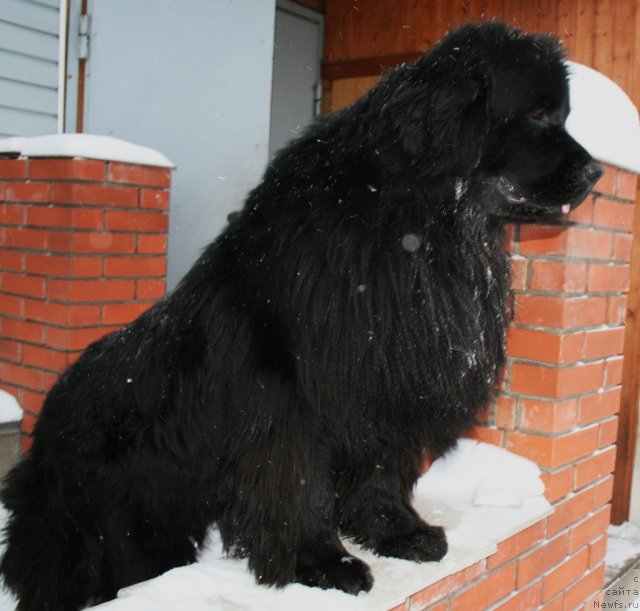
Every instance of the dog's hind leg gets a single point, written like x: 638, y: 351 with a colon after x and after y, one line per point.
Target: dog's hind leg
x: 376, y: 512
x: 138, y: 547
x: 52, y: 558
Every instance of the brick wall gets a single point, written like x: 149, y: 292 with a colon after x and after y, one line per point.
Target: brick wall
x: 558, y: 407
x: 82, y: 251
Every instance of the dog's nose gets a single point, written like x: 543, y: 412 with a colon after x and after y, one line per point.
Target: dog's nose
x: 593, y: 171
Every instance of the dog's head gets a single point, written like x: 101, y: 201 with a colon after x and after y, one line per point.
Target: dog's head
x: 487, y: 105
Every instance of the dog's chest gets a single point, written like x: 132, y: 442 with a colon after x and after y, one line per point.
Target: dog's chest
x: 439, y: 331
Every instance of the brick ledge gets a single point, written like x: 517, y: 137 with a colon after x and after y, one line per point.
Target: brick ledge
x: 474, y: 533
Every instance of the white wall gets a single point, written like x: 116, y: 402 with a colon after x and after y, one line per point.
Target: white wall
x: 191, y: 78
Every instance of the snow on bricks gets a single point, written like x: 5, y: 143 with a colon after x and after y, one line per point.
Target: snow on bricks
x: 82, y: 251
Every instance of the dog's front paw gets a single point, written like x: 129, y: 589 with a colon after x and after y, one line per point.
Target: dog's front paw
x: 428, y: 543
x: 345, y: 573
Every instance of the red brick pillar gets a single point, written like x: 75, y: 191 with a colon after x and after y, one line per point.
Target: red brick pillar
x: 558, y: 408
x: 82, y: 251
x: 562, y: 388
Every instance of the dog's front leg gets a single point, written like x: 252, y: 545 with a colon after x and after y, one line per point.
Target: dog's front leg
x: 376, y: 512
x: 322, y: 560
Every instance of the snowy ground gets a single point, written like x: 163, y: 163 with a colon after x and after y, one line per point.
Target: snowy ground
x: 623, y: 548
x: 480, y: 494
x: 623, y: 567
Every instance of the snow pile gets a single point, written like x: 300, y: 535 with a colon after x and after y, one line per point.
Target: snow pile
x: 603, y: 118
x: 447, y: 495
x: 10, y: 410
x: 470, y: 473
x: 464, y: 492
x: 623, y: 548
x: 86, y: 146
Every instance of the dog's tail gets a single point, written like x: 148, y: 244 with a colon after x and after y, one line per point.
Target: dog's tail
x: 46, y: 562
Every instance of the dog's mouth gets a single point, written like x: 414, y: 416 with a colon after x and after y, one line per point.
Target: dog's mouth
x: 521, y: 206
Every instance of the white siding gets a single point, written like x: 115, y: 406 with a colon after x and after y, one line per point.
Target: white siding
x: 28, y: 67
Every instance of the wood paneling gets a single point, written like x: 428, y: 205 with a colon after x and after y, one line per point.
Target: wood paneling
x: 346, y: 90
x: 628, y: 417
x: 364, y: 66
x: 359, y: 29
x: 630, y: 400
x: 316, y: 5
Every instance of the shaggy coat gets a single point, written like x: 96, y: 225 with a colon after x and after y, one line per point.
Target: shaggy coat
x: 350, y: 319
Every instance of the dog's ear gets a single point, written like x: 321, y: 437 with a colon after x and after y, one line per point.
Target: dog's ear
x: 440, y: 114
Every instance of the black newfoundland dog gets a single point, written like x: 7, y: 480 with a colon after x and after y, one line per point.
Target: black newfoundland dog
x: 350, y: 319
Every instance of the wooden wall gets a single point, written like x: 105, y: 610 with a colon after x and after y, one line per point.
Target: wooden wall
x: 364, y: 37
x: 599, y: 33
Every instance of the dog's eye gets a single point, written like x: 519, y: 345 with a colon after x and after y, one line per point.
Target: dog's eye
x: 538, y: 115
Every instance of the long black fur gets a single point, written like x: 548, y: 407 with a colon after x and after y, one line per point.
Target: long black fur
x: 350, y: 319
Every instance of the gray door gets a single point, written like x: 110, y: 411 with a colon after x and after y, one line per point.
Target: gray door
x: 191, y: 78
x: 296, y: 72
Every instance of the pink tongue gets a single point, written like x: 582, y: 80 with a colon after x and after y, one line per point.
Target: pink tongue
x: 566, y: 208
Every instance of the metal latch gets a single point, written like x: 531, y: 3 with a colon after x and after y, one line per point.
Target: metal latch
x: 83, y: 37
